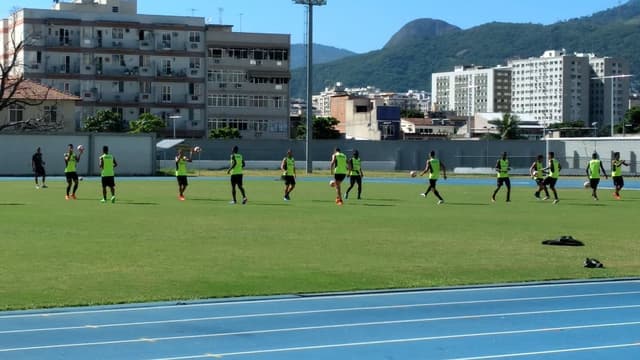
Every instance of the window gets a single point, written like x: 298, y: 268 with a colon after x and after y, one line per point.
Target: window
x: 16, y: 112
x: 166, y: 94
x: 194, y: 63
x: 115, y: 9
x: 50, y: 113
x: 194, y: 36
x: 166, y: 40
x: 117, y: 34
x: 166, y: 66
x: 215, y: 53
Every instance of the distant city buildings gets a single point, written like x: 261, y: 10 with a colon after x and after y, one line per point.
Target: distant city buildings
x: 555, y: 87
x: 198, y: 77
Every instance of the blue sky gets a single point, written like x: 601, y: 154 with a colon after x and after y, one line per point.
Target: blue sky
x: 356, y: 25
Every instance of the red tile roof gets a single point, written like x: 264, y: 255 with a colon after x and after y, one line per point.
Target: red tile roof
x: 30, y: 90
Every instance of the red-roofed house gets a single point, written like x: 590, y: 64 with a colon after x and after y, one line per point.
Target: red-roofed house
x: 39, y: 108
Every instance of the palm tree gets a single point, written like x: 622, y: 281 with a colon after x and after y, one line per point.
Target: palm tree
x: 508, y: 127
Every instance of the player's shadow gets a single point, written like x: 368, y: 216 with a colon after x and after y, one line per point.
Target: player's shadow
x: 137, y: 203
x: 446, y: 203
x: 11, y: 204
x: 208, y: 200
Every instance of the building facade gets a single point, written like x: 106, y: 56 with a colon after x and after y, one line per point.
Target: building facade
x: 172, y: 66
x: 471, y: 89
x: 608, y: 90
x: 248, y: 82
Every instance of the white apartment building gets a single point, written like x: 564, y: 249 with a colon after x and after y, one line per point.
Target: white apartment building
x: 116, y: 59
x: 553, y: 88
x: 248, y: 82
x: 608, y: 89
x: 472, y: 89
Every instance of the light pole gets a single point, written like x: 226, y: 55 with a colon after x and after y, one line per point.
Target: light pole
x: 174, y: 117
x: 612, y: 77
x: 310, y: 4
x: 595, y: 129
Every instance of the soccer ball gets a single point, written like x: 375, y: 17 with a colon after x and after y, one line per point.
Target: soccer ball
x: 534, y: 175
x: 197, y: 149
x: 80, y: 148
x: 332, y: 183
x: 413, y: 173
x: 586, y: 184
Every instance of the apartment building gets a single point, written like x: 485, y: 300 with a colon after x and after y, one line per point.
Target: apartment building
x: 553, y: 87
x: 472, y: 89
x: 609, y: 89
x: 195, y: 76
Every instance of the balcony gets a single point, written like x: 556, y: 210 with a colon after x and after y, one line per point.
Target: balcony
x: 145, y: 45
x: 194, y: 73
x: 145, y: 98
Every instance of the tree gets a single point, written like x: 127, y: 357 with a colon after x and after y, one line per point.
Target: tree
x: 323, y: 128
x: 632, y: 120
x: 13, y: 92
x: 147, y: 123
x: 225, y: 133
x: 411, y: 114
x: 104, y: 121
x: 508, y: 127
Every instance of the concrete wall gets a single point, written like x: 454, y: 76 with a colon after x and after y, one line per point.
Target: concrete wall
x: 135, y: 153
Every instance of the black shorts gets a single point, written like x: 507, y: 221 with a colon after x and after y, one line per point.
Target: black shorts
x: 618, y: 181
x: 550, y: 181
x: 540, y: 182
x: 236, y: 179
x: 289, y: 179
x: 505, y: 181
x: 432, y: 182
x: 71, y: 176
x: 356, y: 179
x: 594, y: 183
x: 109, y: 181
x: 339, y: 177
x: 39, y: 171
x: 182, y: 180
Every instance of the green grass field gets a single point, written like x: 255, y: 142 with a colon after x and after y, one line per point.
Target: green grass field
x: 149, y: 246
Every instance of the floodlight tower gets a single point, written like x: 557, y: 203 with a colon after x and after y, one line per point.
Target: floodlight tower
x: 309, y: 133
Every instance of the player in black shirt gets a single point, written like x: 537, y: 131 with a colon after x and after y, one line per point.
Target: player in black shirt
x: 37, y: 163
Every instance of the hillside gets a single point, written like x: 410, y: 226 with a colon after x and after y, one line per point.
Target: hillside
x: 421, y: 29
x: 409, y: 64
x: 321, y: 54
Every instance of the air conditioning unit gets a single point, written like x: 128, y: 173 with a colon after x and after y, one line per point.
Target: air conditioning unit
x: 194, y: 45
x: 166, y: 45
x: 144, y: 96
x: 194, y: 72
x: 117, y: 43
x: 195, y: 97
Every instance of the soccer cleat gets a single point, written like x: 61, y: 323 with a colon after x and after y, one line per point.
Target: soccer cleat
x: 113, y: 199
x: 546, y: 198
x: 339, y: 202
x: 423, y: 194
x: 181, y: 197
x: 232, y: 202
x: 244, y: 201
x: 37, y: 187
x: 44, y: 186
x: 103, y: 200
x: 556, y: 201
x: 493, y: 199
x: 440, y: 202
x: 346, y: 196
x: 73, y: 196
x: 66, y: 197
x: 537, y: 196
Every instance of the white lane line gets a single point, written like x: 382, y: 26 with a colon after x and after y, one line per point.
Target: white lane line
x: 548, y: 352
x: 389, y: 341
x: 316, y: 298
x: 290, y: 313
x: 308, y: 328
x: 322, y: 311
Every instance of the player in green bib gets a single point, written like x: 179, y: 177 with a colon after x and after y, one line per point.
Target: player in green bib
x: 616, y: 174
x: 553, y: 173
x: 355, y: 174
x: 235, y: 169
x: 593, y: 173
x: 181, y: 171
x: 502, y: 169
x: 71, y: 160
x: 537, y: 173
x: 433, y: 167
x: 107, y: 165
x: 288, y: 167
x: 339, y: 169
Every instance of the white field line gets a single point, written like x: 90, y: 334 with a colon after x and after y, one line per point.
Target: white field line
x: 345, y: 325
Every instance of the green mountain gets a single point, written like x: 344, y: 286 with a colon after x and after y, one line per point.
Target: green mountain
x: 421, y: 29
x: 321, y: 54
x: 408, y: 64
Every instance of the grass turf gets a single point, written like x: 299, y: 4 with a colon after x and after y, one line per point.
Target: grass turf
x: 149, y: 246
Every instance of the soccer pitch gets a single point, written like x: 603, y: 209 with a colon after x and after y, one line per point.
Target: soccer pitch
x: 149, y: 246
